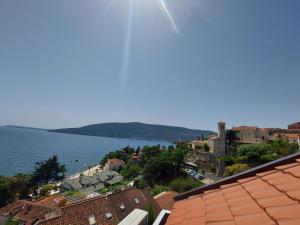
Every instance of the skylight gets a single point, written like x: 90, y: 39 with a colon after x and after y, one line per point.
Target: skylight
x: 136, y: 200
x: 122, y: 206
x: 108, y: 215
x: 92, y: 220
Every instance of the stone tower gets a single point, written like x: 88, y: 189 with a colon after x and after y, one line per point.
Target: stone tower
x: 221, y: 129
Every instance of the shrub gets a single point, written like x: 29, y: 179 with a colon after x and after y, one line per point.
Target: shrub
x: 235, y: 168
x: 183, y: 185
x: 46, y: 190
x: 159, y: 189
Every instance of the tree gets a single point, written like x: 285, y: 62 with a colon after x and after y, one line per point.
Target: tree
x: 151, y: 214
x: 5, y: 190
x: 49, y: 170
x: 235, y: 168
x: 206, y: 147
x: 132, y: 170
x: 12, y: 188
x: 163, y: 167
x: 46, y: 190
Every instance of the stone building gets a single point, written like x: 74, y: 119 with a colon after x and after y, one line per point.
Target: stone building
x: 217, y: 143
x: 252, y: 134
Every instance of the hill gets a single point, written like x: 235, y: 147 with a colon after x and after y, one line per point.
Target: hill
x: 137, y: 130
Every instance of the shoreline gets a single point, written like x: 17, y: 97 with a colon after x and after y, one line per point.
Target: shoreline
x: 87, y: 172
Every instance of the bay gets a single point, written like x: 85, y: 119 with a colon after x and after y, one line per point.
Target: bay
x: 21, y: 148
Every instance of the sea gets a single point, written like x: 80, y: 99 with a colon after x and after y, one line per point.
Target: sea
x: 21, y: 148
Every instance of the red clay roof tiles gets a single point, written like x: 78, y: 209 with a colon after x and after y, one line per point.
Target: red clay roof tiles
x: 268, y: 198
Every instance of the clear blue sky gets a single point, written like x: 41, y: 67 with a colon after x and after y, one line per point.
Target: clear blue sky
x: 66, y: 63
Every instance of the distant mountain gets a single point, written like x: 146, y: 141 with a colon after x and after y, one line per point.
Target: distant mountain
x: 137, y: 130
x: 22, y: 127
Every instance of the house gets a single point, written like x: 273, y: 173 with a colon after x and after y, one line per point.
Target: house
x: 90, y: 184
x: 27, y: 212
x: 291, y: 138
x: 114, y: 164
x: 294, y: 126
x: 108, y: 210
x: 251, y: 134
x: 265, y: 195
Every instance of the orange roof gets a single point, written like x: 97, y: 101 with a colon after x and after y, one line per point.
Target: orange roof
x: 271, y: 197
x: 290, y: 136
x: 243, y: 128
x: 56, y: 200
x: 166, y: 199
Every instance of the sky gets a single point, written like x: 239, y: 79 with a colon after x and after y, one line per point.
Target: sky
x: 191, y: 63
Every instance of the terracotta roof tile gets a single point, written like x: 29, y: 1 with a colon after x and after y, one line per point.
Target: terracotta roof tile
x: 257, y: 219
x: 166, y: 200
x: 289, y: 221
x: 268, y: 198
x: 284, y: 212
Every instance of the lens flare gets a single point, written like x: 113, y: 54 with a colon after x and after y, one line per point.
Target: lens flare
x: 127, y: 47
x: 168, y: 14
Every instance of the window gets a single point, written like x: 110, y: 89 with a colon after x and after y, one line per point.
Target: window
x: 92, y: 220
x: 136, y: 200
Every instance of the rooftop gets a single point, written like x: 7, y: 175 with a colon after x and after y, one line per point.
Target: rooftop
x: 165, y: 200
x: 266, y: 195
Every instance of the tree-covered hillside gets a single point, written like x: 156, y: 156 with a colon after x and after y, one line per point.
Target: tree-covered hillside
x: 136, y: 130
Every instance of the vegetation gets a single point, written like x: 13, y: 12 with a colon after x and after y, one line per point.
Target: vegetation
x: 10, y: 221
x: 137, y: 131
x: 21, y: 185
x: 251, y: 155
x: 163, y: 167
x: 157, y: 189
x: 48, y: 170
x: 151, y: 214
x: 46, y: 189
x: 131, y: 170
x: 184, y: 184
x: 13, y: 188
x: 235, y: 168
x: 122, y: 154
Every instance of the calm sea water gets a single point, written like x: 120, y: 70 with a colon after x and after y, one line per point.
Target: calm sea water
x: 21, y: 148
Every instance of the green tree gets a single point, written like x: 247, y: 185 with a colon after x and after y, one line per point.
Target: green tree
x: 151, y: 214
x: 46, y: 190
x: 163, y: 167
x: 10, y: 221
x: 49, y: 170
x: 206, y: 147
x: 235, y: 168
x: 5, y: 190
x: 132, y: 170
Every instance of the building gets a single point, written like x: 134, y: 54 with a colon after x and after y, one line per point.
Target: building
x: 107, y: 210
x: 90, y: 184
x: 291, y: 138
x: 114, y: 164
x: 165, y: 200
x: 265, y: 195
x: 294, y: 126
x: 217, y: 143
x: 27, y: 212
x: 251, y: 134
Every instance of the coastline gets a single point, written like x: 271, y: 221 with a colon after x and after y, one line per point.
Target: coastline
x: 88, y: 172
